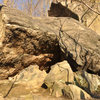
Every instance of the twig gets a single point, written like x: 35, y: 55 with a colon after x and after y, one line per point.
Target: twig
x: 61, y: 35
x: 93, y: 21
x: 90, y: 7
x: 85, y: 13
x: 10, y: 88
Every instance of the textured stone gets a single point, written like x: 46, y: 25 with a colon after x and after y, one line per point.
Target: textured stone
x: 32, y: 77
x: 59, y: 72
x: 89, y: 82
x: 56, y: 89
x: 86, y: 15
x: 75, y: 93
x: 24, y: 39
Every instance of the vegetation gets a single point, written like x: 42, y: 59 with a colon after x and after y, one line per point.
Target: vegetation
x: 31, y: 7
x: 39, y: 7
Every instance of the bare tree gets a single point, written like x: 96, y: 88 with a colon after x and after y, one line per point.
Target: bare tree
x: 9, y: 3
x: 5, y: 2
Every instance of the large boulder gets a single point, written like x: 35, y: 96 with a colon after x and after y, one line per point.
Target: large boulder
x: 60, y: 72
x: 23, y: 42
x: 80, y: 46
x: 26, y: 40
x: 86, y: 16
x: 28, y: 82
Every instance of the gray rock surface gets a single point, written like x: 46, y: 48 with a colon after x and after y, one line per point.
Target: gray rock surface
x: 75, y: 93
x: 25, y: 41
x: 23, y: 37
x: 31, y: 77
x: 89, y: 82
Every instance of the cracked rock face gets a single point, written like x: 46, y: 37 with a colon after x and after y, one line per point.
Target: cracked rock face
x: 88, y: 82
x: 26, y: 40
x: 23, y: 43
x: 44, y: 43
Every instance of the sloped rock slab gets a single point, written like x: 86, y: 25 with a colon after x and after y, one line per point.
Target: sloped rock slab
x: 23, y: 36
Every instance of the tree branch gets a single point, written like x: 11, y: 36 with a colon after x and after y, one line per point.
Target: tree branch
x: 10, y: 88
x: 93, y: 21
x: 90, y: 7
x: 85, y: 13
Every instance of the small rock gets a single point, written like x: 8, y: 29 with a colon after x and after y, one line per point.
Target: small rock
x: 75, y: 93
x: 31, y: 77
x: 60, y: 72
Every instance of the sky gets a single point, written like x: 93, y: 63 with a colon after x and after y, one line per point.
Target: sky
x: 20, y: 2
x: 0, y: 1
